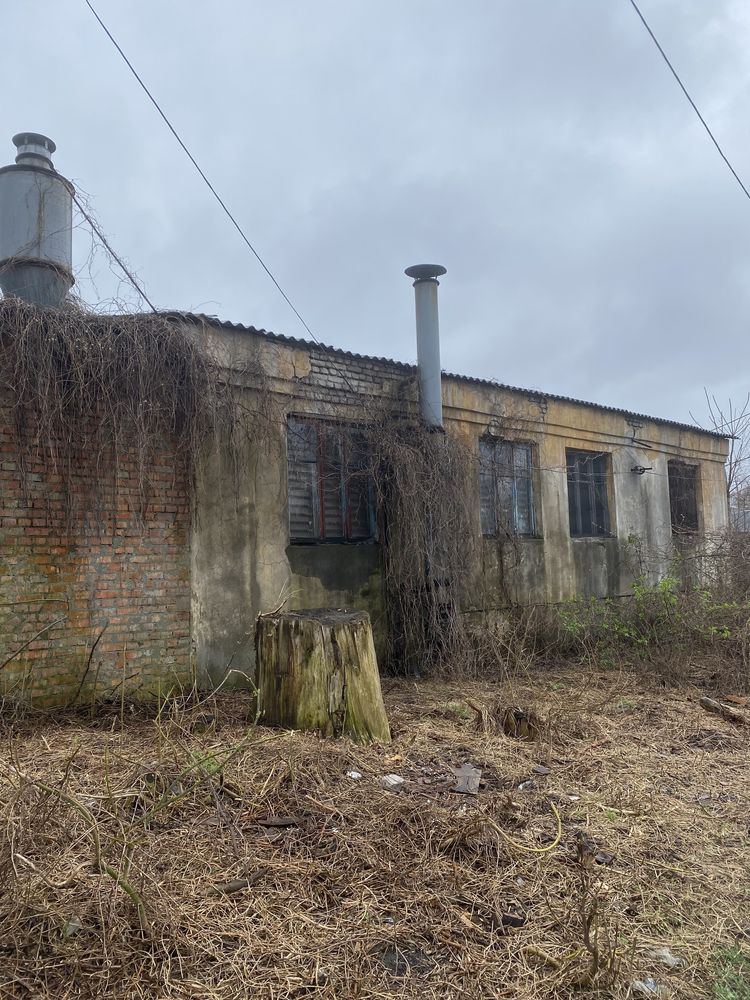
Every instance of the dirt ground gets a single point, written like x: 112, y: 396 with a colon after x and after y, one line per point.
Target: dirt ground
x: 194, y: 855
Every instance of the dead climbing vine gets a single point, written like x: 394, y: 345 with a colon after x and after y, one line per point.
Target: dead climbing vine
x: 101, y: 392
x: 422, y: 483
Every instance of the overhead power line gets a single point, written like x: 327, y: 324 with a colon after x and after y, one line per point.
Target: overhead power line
x: 205, y: 179
x: 693, y: 105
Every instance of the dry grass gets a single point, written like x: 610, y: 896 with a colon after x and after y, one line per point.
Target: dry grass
x: 366, y: 893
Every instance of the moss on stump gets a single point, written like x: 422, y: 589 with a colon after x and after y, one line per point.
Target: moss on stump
x: 317, y: 671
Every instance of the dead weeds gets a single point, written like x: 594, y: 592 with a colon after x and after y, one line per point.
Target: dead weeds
x: 167, y: 858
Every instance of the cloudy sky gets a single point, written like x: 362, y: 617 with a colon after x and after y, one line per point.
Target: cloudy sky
x: 596, y: 245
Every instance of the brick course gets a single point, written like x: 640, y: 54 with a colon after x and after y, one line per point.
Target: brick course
x: 122, y: 563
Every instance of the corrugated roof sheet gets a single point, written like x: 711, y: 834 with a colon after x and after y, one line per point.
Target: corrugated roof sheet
x: 281, y: 338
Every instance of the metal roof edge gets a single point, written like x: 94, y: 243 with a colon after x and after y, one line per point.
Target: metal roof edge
x: 281, y: 338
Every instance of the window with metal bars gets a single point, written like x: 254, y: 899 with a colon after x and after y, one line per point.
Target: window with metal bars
x: 329, y: 488
x: 588, y: 499
x: 683, y: 496
x: 506, y: 488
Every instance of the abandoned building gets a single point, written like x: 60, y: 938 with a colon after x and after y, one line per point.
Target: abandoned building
x: 567, y: 499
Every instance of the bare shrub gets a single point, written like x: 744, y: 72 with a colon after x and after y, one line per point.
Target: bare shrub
x: 732, y: 419
x: 519, y: 639
x: 728, y: 564
x: 676, y: 632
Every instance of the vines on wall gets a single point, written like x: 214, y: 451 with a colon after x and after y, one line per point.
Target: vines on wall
x: 77, y: 385
x: 428, y: 533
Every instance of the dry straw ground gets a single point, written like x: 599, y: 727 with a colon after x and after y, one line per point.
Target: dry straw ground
x: 192, y: 856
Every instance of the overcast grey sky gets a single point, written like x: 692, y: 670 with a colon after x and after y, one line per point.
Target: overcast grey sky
x: 596, y: 245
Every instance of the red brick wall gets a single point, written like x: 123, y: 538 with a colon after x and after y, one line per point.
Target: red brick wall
x: 102, y: 564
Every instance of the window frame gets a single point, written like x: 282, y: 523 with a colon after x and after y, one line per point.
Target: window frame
x: 597, y: 484
x: 490, y: 469
x: 326, y: 463
x: 694, y: 479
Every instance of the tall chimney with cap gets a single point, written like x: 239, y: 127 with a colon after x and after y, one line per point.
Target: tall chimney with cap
x: 36, y: 224
x: 428, y: 340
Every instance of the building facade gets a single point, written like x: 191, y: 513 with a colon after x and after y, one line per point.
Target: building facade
x: 570, y: 500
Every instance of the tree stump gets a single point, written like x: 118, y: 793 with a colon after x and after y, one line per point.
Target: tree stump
x: 317, y: 671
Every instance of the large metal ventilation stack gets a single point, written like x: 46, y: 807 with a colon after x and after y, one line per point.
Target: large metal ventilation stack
x: 36, y: 224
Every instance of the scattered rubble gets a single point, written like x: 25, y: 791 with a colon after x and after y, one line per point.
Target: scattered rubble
x: 72, y: 926
x: 324, y: 862
x: 604, y: 857
x: 392, y: 782
x: 278, y: 821
x: 467, y: 779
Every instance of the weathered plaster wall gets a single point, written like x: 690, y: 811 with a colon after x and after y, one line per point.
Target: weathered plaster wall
x: 242, y: 563
x: 556, y: 567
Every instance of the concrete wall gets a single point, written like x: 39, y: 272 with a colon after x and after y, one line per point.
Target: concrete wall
x: 243, y: 564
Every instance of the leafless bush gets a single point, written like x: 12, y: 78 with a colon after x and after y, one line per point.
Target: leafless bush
x: 732, y: 419
x: 727, y: 564
x: 517, y: 640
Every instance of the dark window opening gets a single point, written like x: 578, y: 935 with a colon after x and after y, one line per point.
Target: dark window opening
x: 506, y: 488
x: 683, y: 497
x: 330, y: 490
x: 588, y: 500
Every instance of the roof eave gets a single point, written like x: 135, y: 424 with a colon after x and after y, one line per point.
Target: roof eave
x: 280, y: 338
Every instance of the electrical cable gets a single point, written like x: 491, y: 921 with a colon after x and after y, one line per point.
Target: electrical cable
x: 202, y: 173
x: 118, y: 260
x: 236, y: 224
x: 693, y: 105
x: 212, y: 189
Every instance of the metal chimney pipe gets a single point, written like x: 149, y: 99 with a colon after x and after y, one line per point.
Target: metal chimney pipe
x: 428, y: 340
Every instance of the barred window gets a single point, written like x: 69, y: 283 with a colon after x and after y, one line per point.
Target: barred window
x: 329, y: 488
x: 506, y: 488
x: 683, y: 496
x: 588, y: 500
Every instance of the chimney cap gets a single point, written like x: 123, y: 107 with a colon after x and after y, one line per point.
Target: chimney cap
x: 425, y: 272
x: 34, y: 144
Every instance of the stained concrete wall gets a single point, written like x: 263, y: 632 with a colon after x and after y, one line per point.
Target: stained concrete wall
x: 241, y: 560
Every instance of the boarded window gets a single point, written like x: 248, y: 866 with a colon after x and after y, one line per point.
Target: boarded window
x: 588, y: 501
x: 330, y: 490
x: 683, y: 496
x: 506, y: 488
